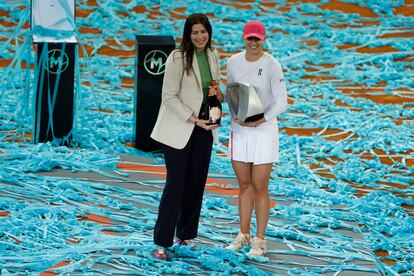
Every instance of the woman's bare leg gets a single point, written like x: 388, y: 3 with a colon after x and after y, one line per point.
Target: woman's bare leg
x: 260, y: 175
x: 246, y: 197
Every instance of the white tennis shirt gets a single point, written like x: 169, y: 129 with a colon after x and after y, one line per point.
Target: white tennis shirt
x: 266, y: 76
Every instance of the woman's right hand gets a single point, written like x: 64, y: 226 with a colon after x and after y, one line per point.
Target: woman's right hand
x: 203, y: 124
x: 212, y: 90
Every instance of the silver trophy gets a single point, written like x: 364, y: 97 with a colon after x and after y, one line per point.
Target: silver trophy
x: 244, y: 102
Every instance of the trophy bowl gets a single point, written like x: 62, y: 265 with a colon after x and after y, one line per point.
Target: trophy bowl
x: 244, y: 102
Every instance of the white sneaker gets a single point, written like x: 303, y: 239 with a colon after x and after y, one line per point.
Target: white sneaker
x: 259, y: 247
x: 239, y: 242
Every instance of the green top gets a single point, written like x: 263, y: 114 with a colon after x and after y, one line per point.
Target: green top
x: 204, y: 72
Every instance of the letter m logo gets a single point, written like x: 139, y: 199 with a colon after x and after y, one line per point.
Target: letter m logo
x: 55, y: 62
x: 156, y: 63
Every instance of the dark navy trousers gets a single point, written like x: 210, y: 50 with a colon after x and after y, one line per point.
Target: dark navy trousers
x: 181, y: 200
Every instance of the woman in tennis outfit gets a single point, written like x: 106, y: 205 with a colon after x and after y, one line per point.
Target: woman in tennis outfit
x: 254, y: 146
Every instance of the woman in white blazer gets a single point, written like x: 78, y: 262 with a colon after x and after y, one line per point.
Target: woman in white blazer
x: 187, y: 140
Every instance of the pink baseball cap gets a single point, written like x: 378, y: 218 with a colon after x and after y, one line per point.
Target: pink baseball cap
x: 254, y: 28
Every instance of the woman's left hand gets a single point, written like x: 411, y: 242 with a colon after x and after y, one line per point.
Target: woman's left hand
x: 215, y: 91
x: 246, y: 124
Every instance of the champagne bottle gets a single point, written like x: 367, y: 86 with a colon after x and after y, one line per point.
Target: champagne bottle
x: 214, y: 107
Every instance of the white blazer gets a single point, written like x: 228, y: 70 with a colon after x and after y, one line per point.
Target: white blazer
x: 182, y: 96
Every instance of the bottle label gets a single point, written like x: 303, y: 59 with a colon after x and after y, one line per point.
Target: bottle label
x: 215, y: 114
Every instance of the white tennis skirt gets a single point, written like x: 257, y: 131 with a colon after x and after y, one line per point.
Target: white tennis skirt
x: 256, y: 148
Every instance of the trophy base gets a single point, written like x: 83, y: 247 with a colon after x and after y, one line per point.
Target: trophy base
x: 254, y: 118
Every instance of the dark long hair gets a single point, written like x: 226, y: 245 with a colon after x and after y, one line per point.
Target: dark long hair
x: 187, y: 47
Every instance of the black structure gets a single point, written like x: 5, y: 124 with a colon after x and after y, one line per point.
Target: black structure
x: 54, y: 92
x: 150, y: 58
